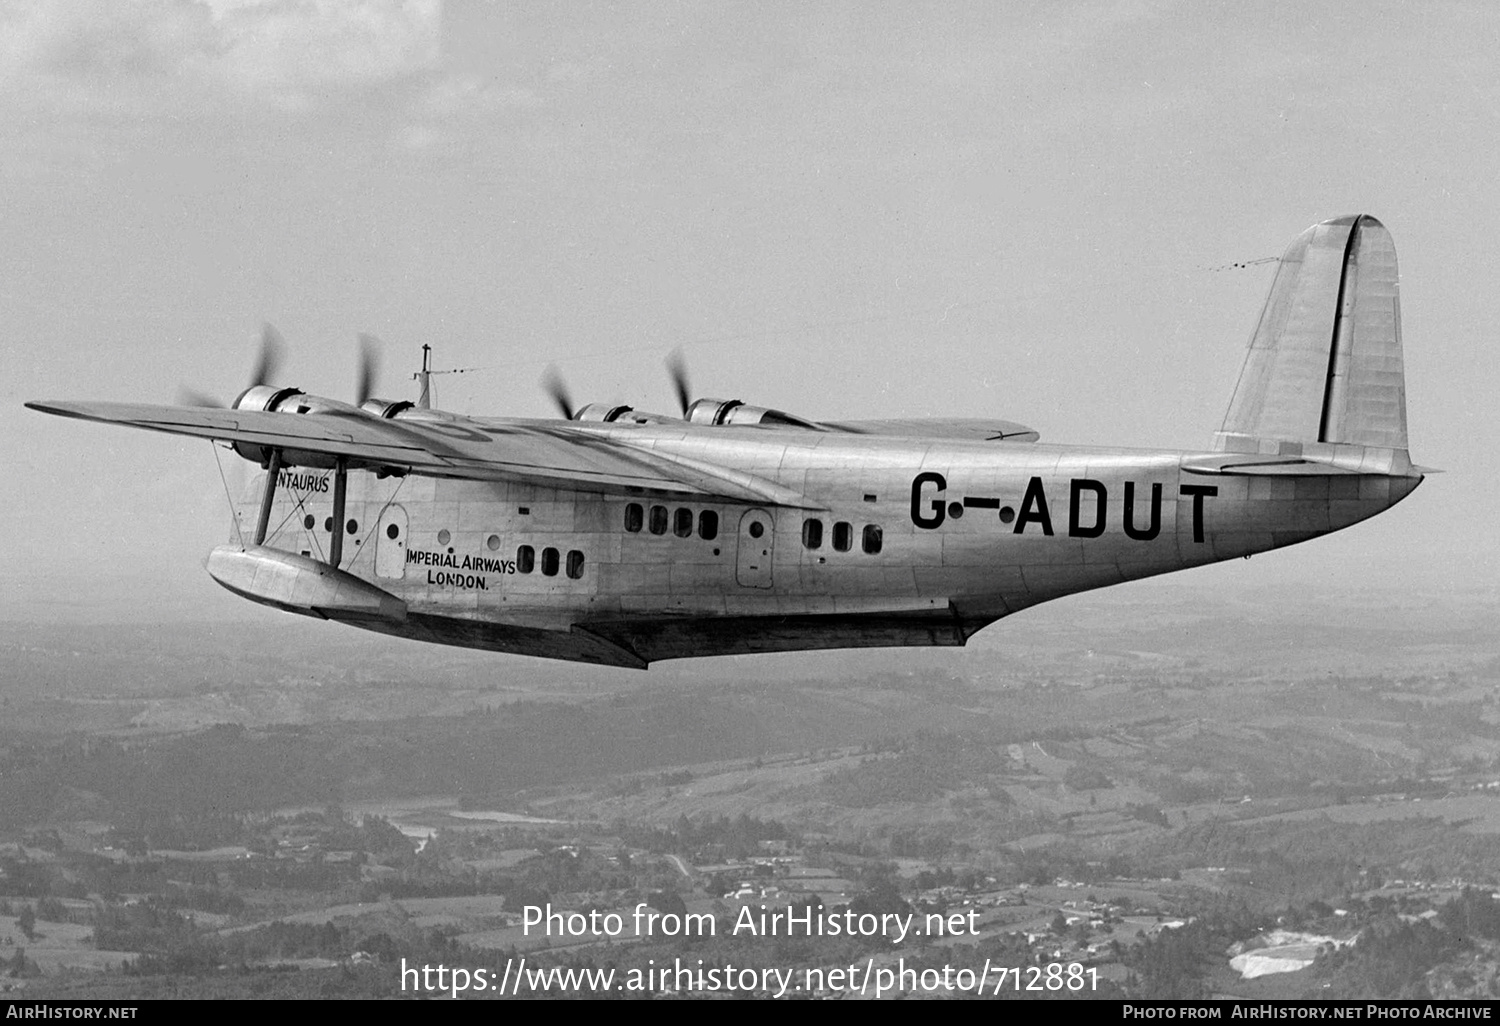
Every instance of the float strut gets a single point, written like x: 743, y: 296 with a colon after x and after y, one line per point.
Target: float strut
x: 336, y: 539
x: 273, y: 470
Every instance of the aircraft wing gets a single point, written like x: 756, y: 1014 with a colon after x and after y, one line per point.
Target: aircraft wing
x: 941, y: 427
x: 547, y: 453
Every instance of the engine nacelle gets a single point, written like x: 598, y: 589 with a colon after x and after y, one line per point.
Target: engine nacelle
x: 263, y: 397
x: 734, y: 411
x: 604, y: 413
x: 270, y: 399
x: 386, y: 409
x: 289, y: 400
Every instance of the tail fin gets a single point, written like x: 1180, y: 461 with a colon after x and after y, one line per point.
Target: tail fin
x: 1324, y: 376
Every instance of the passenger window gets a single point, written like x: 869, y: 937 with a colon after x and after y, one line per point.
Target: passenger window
x: 658, y: 520
x: 575, y: 564
x: 873, y: 538
x: 708, y: 525
x: 682, y: 523
x: 549, y: 562
x: 525, y: 559
x: 843, y: 536
x: 812, y: 534
x: 633, y: 517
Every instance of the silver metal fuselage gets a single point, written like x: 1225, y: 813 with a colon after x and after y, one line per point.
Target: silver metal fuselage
x: 942, y: 538
x: 621, y: 537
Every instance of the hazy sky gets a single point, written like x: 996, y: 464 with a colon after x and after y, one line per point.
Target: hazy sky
x: 842, y: 210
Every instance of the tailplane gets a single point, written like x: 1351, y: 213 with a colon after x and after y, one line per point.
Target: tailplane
x: 1324, y: 378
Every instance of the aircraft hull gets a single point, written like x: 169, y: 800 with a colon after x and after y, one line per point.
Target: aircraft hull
x: 967, y: 533
x: 623, y: 538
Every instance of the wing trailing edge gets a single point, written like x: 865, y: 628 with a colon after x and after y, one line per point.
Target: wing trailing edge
x: 543, y: 453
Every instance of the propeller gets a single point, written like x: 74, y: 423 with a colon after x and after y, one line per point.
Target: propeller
x: 272, y: 349
x: 267, y: 363
x: 557, y: 389
x: 192, y: 397
x: 677, y: 368
x: 369, y: 367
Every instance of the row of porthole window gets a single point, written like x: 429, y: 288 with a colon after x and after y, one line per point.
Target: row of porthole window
x: 444, y: 537
x: 392, y: 531
x: 871, y: 540
x: 526, y: 561
x: 680, y: 520
x: 352, y: 526
x: 525, y: 555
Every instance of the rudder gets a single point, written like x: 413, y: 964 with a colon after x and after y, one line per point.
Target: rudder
x: 1324, y: 374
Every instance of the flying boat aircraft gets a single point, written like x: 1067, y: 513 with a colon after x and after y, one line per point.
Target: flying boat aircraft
x: 619, y: 537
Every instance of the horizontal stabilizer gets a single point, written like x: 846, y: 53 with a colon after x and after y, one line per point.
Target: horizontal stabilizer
x: 1382, y: 462
x: 1268, y: 467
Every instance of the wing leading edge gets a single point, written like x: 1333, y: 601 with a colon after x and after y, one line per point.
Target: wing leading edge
x: 530, y: 452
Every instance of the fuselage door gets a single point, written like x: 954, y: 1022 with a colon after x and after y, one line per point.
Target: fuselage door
x: 390, y: 543
x: 753, y: 566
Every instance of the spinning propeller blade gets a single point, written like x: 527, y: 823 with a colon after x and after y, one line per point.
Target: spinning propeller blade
x: 557, y: 389
x: 677, y: 368
x: 272, y: 347
x: 369, y: 367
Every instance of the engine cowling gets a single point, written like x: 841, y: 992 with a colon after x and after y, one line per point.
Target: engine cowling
x: 271, y: 399
x: 290, y: 400
x: 601, y: 413
x: 386, y: 409
x: 736, y: 412
x: 264, y: 397
x: 605, y: 413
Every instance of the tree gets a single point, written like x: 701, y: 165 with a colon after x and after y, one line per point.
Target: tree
x: 26, y: 921
x: 667, y: 901
x: 883, y: 897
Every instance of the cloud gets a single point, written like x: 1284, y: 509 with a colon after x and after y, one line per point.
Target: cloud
x: 454, y: 93
x: 184, y: 56
x: 313, y: 43
x: 446, y: 111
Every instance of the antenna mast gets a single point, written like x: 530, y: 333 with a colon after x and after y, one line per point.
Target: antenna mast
x: 424, y: 377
